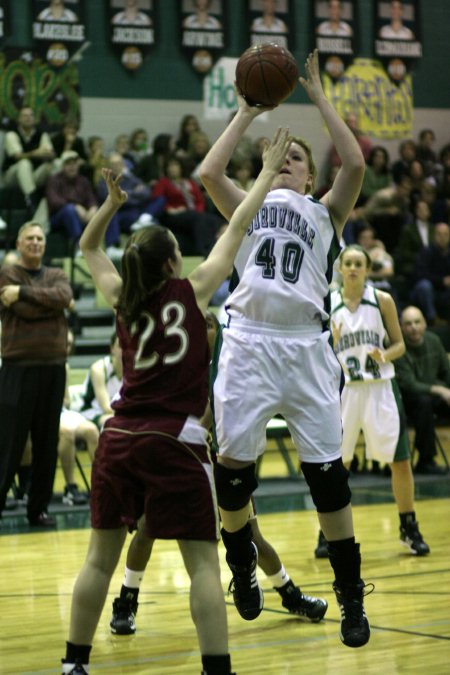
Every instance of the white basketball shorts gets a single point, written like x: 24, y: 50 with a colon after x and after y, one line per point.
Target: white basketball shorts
x: 263, y: 372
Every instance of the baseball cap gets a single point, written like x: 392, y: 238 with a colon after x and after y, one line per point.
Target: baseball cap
x: 68, y: 155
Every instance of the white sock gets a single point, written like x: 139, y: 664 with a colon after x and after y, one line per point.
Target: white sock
x: 133, y: 579
x: 68, y: 667
x: 279, y: 579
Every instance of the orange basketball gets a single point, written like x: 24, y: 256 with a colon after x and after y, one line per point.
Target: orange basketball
x: 266, y: 74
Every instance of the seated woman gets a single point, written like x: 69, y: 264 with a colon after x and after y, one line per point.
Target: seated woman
x: 185, y: 213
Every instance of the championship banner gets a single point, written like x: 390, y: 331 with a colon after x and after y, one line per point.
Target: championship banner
x: 269, y: 21
x: 202, y: 32
x: 384, y: 109
x: 4, y: 22
x: 25, y: 79
x: 397, y: 36
x: 335, y: 29
x: 132, y: 26
x: 59, y: 29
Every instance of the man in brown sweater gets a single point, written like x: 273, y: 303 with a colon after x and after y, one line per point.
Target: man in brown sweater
x: 32, y: 375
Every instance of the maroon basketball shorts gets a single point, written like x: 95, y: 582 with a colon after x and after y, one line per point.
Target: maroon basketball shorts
x: 159, y: 467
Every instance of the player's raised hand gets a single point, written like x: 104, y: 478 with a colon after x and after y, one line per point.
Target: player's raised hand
x: 377, y: 355
x: 253, y: 110
x: 312, y: 83
x: 115, y: 192
x: 275, y: 151
x: 336, y: 331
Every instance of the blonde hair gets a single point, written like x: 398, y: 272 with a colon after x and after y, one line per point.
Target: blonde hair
x: 311, y: 164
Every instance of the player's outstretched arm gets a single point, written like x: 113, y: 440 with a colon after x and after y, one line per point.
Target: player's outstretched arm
x: 104, y: 273
x: 224, y: 193
x: 209, y: 275
x: 341, y: 199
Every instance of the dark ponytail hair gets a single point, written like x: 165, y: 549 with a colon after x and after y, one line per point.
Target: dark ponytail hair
x: 143, y: 269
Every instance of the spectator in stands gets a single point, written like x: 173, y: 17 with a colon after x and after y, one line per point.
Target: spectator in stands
x: 438, y: 206
x: 122, y: 146
x: 407, y: 153
x: 363, y: 141
x: 382, y: 264
x: 443, y: 196
x: 68, y: 139
x: 198, y: 147
x: 328, y: 182
x: 97, y: 159
x: 28, y: 159
x: 418, y: 180
x: 185, y: 212
x: 377, y: 175
x: 188, y: 125
x: 242, y: 174
x: 139, y: 144
x: 102, y: 384
x: 423, y: 374
x: 256, y: 152
x: 70, y: 197
x: 432, y: 290
x: 152, y: 167
x: 388, y: 211
x: 425, y: 151
x: 73, y: 428
x: 139, y: 205
x: 414, y: 237
x: 33, y: 299
x: 444, y: 158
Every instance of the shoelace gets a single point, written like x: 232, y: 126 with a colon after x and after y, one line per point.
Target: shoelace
x: 353, y: 609
x: 243, y: 577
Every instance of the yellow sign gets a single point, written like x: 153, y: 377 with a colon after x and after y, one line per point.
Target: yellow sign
x: 384, y: 109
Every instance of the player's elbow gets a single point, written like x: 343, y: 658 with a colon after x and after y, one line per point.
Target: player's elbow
x: 357, y: 163
x: 206, y: 175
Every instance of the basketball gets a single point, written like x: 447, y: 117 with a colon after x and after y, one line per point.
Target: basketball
x: 266, y: 74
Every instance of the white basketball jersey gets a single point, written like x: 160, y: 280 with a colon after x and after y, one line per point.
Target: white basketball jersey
x: 361, y: 331
x: 285, y: 263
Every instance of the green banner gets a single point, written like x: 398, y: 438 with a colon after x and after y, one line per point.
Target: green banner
x: 26, y: 79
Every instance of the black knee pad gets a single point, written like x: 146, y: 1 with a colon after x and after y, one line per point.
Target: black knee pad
x: 234, y: 486
x: 328, y: 483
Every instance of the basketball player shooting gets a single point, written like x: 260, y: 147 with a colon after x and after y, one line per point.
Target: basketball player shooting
x: 276, y: 356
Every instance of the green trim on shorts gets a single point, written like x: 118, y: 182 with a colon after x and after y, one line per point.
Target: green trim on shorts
x: 97, y: 421
x: 402, y: 451
x: 213, y: 368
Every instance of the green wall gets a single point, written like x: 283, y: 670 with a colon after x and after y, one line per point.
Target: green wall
x: 167, y: 74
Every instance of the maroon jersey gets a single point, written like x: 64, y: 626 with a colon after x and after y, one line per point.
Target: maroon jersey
x: 165, y: 356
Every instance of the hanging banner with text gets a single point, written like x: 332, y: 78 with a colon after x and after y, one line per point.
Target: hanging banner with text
x: 219, y: 98
x: 4, y: 21
x: 335, y: 30
x: 397, y: 36
x: 202, y: 27
x: 269, y: 21
x: 59, y: 30
x: 384, y: 109
x: 25, y: 79
x: 132, y: 26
